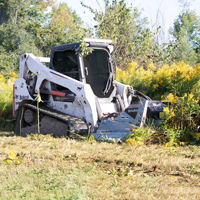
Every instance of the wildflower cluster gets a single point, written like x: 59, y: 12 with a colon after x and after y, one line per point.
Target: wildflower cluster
x: 184, y: 115
x: 157, y: 82
x: 179, y: 85
x: 139, y: 136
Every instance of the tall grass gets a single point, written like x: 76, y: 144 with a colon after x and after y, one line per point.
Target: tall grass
x: 6, y: 94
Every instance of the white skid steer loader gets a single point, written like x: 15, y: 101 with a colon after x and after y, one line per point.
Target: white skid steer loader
x: 79, y: 94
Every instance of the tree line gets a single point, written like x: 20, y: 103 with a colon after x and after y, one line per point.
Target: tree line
x: 36, y: 26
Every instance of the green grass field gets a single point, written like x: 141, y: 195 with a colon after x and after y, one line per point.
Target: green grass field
x: 60, y: 168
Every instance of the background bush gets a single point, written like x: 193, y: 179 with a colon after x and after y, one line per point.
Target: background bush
x: 6, y: 100
x: 179, y: 85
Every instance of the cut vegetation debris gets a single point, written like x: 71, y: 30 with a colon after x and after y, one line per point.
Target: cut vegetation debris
x: 60, y: 168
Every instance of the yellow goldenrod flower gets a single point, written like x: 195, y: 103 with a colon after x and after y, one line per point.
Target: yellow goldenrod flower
x: 172, y: 98
x: 190, y: 96
x: 172, y: 114
x: 197, y: 136
x: 134, y: 142
x: 166, y: 110
x: 151, y: 66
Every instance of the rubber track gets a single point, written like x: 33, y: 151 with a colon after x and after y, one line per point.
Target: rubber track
x: 75, y: 124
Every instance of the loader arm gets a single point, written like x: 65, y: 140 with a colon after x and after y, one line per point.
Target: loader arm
x: 83, y: 92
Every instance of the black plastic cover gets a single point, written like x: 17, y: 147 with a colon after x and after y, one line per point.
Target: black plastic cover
x: 154, y: 109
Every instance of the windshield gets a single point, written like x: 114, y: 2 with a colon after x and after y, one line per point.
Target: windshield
x: 99, y: 72
x: 66, y: 63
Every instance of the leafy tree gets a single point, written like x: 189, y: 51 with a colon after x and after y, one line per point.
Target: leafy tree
x: 34, y: 29
x: 186, y: 32
x: 9, y: 10
x: 23, y: 20
x: 7, y: 61
x: 132, y: 38
x: 30, y: 12
x: 64, y: 27
x: 15, y: 38
x: 3, y: 11
x: 14, y: 41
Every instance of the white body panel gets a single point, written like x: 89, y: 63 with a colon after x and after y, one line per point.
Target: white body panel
x: 123, y: 91
x: 21, y: 93
x: 108, y: 108
x: 44, y: 59
x: 73, y: 109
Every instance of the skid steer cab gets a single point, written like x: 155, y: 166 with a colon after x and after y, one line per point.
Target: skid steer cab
x: 79, y: 95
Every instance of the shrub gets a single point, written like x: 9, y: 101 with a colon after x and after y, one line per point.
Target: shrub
x: 6, y: 93
x: 183, y: 115
x: 179, y: 85
x: 139, y: 136
x: 159, y: 82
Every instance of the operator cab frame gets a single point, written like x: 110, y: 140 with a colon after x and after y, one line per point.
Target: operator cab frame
x: 96, y: 69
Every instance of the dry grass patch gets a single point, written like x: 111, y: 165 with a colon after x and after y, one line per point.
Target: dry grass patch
x: 59, y: 168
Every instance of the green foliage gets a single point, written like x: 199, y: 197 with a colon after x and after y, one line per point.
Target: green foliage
x: 132, y: 38
x: 37, y: 14
x: 184, y: 117
x: 11, y: 10
x: 83, y: 50
x: 185, y: 53
x: 8, y: 61
x: 20, y: 22
x: 186, y: 31
x: 35, y: 27
x: 64, y: 27
x: 173, y: 137
x: 14, y: 41
x: 139, y: 136
x: 32, y: 14
x: 119, y: 24
x: 14, y: 38
x: 6, y: 100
